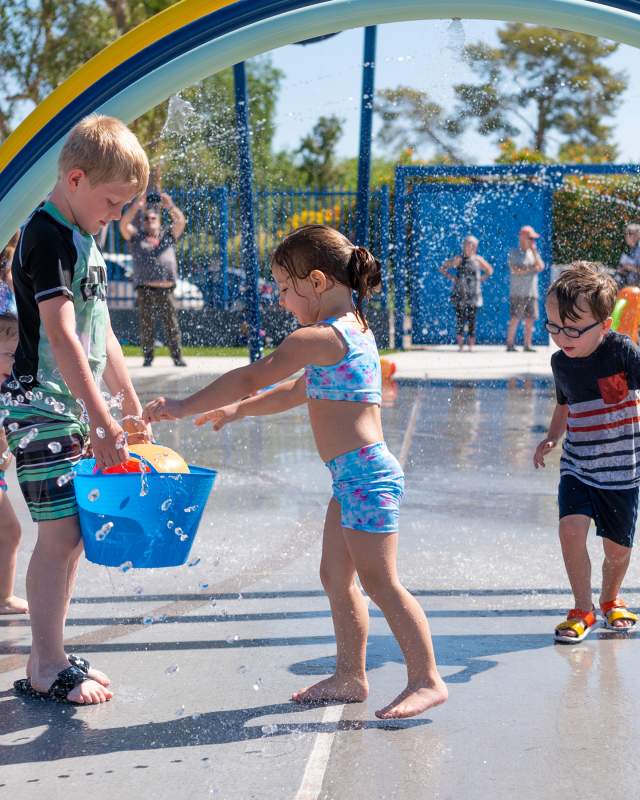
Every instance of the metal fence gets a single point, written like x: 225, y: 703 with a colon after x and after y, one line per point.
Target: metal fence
x: 209, y: 251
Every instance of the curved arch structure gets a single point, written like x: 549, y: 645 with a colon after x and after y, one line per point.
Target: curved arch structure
x: 196, y: 38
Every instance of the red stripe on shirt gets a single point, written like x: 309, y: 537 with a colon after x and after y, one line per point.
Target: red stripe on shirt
x: 604, y: 410
x: 604, y: 426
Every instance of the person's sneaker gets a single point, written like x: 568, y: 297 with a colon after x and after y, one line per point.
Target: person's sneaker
x: 179, y: 362
x: 529, y: 349
x: 511, y: 348
x: 147, y: 362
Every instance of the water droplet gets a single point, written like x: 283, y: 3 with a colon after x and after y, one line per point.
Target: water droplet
x: 144, y: 484
x: 138, y: 590
x: 26, y: 440
x: 12, y: 427
x: 234, y: 638
x: 269, y: 730
x: 170, y: 524
x: 194, y: 561
x: 148, y: 620
x: 166, y: 504
x: 125, y: 566
x: 55, y: 447
x: 180, y: 712
x: 189, y: 509
x: 93, y: 495
x: 172, y: 669
x: 101, y: 433
x: 102, y: 532
x: 64, y: 479
x: 203, y: 586
x: 178, y: 532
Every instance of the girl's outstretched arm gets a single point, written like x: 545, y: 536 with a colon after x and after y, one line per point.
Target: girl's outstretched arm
x: 304, y: 346
x: 283, y: 397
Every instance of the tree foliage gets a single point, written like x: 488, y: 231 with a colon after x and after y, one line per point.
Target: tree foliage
x: 316, y: 152
x: 552, y: 85
x: 411, y: 120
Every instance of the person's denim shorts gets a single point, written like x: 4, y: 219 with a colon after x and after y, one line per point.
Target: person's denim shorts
x: 369, y: 485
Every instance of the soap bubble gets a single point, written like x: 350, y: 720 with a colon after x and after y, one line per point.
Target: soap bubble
x: 194, y: 561
x: 172, y: 669
x: 55, y: 447
x: 101, y: 433
x: 144, y: 484
x: 180, y: 712
x: 166, y: 504
x: 26, y: 379
x: 93, y: 495
x: 170, y: 524
x: 234, y: 638
x: 126, y: 566
x: 12, y: 427
x: 269, y: 730
x: 189, y: 509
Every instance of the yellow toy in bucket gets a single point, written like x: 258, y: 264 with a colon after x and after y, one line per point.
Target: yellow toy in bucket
x: 161, y: 458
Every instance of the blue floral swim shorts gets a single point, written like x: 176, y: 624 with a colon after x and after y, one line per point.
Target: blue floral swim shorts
x: 369, y: 485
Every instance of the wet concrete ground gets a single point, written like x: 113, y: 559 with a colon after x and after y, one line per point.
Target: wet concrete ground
x: 201, y: 706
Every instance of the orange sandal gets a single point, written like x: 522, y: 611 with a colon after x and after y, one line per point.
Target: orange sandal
x: 614, y: 610
x: 579, y: 621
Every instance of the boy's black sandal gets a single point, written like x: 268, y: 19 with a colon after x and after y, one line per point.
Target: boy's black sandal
x: 66, y: 681
x: 79, y: 662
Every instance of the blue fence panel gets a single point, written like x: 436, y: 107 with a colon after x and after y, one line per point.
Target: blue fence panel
x: 208, y: 252
x: 442, y: 215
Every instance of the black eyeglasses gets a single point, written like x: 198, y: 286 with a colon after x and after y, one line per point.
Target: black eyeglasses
x: 572, y: 333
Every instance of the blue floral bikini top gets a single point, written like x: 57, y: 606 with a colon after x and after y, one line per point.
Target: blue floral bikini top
x: 357, y: 377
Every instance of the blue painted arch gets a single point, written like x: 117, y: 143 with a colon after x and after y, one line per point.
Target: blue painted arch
x: 196, y: 38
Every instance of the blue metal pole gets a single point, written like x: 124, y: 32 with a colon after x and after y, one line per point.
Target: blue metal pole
x: 366, y: 123
x: 245, y: 187
x: 399, y: 255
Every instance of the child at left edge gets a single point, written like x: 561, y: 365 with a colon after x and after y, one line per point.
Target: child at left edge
x: 10, y: 532
x: 318, y: 272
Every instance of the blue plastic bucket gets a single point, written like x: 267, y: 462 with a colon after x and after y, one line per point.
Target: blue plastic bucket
x: 142, y: 520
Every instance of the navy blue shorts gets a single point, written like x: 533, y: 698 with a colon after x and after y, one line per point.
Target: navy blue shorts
x: 614, y: 511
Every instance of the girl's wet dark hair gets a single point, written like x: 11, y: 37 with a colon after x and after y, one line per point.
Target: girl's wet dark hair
x: 329, y: 251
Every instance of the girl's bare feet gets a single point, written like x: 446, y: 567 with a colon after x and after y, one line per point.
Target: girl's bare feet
x: 13, y: 605
x: 334, y: 690
x: 414, y: 700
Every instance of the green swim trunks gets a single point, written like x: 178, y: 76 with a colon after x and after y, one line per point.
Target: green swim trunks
x: 47, y: 448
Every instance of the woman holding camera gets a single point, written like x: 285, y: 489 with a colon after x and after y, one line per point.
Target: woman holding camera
x: 155, y: 269
x: 466, y: 295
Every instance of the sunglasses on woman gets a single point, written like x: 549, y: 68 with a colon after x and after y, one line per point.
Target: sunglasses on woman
x: 568, y: 330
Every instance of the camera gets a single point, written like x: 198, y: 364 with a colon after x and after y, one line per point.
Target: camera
x: 153, y: 198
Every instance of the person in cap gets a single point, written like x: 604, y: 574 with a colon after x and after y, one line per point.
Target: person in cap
x: 524, y: 264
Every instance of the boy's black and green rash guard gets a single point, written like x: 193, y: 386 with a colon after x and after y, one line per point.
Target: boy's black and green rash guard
x: 56, y: 259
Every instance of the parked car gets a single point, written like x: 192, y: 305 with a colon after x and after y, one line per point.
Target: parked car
x: 121, y: 293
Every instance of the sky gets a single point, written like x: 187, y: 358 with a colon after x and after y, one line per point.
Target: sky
x: 325, y: 78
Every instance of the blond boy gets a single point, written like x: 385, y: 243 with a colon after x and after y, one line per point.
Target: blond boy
x: 66, y: 347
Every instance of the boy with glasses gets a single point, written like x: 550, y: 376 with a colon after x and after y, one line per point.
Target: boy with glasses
x: 597, y: 379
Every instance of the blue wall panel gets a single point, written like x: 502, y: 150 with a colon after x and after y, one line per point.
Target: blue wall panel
x: 442, y: 215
